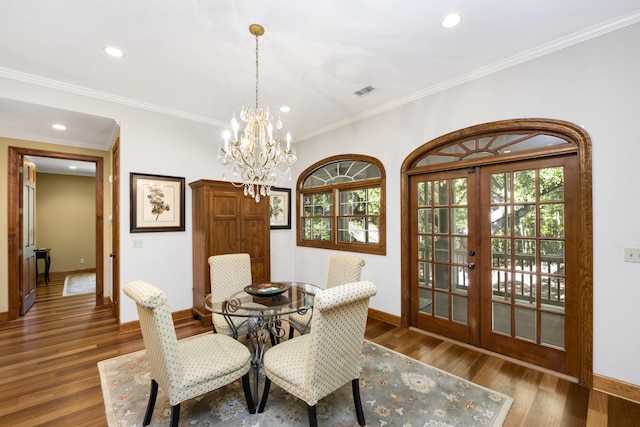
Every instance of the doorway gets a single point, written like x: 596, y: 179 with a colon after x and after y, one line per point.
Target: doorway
x: 15, y: 157
x: 492, y: 260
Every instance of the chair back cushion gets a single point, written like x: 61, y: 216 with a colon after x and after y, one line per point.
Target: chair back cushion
x: 158, y: 333
x: 337, y: 335
x: 343, y: 269
x: 229, y: 274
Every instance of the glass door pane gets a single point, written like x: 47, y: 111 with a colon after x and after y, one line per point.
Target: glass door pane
x: 527, y: 244
x: 441, y: 242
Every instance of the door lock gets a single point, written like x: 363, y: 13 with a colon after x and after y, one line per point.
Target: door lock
x: 471, y: 265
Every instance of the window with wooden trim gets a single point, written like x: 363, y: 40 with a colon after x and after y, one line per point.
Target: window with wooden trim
x: 341, y: 205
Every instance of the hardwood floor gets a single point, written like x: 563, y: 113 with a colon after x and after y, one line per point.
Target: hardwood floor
x: 49, y: 376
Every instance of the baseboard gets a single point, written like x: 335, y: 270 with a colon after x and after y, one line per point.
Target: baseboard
x: 4, y: 317
x: 616, y: 388
x: 384, y: 317
x: 135, y: 325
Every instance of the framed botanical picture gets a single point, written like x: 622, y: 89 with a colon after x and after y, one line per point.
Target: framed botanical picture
x: 280, y: 208
x: 157, y: 203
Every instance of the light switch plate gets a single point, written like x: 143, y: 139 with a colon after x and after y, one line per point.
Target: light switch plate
x: 631, y: 255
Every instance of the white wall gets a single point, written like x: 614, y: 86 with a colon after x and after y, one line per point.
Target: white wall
x: 594, y: 84
x: 149, y: 143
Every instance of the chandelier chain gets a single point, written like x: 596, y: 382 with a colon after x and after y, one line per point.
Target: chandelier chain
x: 257, y: 71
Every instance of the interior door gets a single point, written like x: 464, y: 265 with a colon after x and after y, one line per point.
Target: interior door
x: 28, y: 235
x: 444, y: 285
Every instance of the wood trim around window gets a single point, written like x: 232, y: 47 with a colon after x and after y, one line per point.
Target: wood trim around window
x: 381, y: 247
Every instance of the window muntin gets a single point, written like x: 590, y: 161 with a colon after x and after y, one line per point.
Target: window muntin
x: 317, y: 217
x: 489, y: 146
x: 341, y: 205
x: 342, y: 171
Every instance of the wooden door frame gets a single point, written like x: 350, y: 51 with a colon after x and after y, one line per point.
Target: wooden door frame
x: 115, y: 229
x: 13, y: 219
x: 582, y: 147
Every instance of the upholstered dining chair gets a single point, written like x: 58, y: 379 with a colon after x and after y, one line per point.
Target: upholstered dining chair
x: 313, y: 365
x: 343, y: 269
x: 229, y: 274
x: 187, y: 368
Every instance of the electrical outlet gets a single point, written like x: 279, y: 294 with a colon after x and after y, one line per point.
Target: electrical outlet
x: 81, y: 260
x: 631, y: 255
x: 137, y: 243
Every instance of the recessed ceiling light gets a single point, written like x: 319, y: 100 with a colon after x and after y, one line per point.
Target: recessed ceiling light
x: 114, y: 51
x: 285, y: 109
x: 73, y: 167
x: 59, y: 126
x: 451, y: 20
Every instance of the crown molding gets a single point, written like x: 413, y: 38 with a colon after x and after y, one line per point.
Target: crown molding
x: 104, y: 96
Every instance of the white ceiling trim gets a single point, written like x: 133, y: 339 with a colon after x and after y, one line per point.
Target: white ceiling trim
x: 23, y: 136
x: 104, y: 96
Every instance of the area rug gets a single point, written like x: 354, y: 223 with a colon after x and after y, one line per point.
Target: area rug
x: 79, y: 284
x: 395, y: 390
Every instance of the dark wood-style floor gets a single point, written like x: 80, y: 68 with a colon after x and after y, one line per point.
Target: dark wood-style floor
x: 49, y: 377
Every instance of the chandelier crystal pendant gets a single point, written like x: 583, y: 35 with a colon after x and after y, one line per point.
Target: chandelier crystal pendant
x: 256, y: 159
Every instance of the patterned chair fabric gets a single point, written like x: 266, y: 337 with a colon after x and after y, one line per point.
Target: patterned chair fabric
x: 188, y: 368
x: 229, y: 274
x: 343, y: 269
x: 313, y: 365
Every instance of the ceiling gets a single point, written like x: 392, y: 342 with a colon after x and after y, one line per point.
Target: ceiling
x: 196, y: 59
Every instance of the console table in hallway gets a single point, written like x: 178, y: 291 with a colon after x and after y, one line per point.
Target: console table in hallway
x: 44, y: 254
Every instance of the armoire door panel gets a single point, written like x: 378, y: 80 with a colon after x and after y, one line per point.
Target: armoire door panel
x: 226, y: 221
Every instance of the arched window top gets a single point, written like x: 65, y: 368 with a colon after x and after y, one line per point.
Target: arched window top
x: 491, y: 145
x: 499, y: 141
x: 340, y: 171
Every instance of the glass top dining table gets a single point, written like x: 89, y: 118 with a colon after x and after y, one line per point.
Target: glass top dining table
x: 259, y: 312
x: 265, y: 299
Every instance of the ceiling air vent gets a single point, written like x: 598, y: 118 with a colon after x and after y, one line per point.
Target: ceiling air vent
x: 364, y: 91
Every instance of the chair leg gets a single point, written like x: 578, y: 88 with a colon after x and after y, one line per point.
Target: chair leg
x: 247, y: 393
x: 313, y: 419
x: 355, y: 388
x: 291, y: 331
x: 265, y: 394
x: 175, y: 415
x: 152, y: 403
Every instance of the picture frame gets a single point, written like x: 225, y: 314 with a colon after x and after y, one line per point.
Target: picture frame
x: 157, y: 203
x: 280, y: 208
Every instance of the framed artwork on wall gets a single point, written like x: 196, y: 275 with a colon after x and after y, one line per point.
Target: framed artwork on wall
x: 280, y: 208
x: 157, y: 203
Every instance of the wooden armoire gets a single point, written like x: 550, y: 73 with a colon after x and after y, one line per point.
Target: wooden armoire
x: 226, y: 221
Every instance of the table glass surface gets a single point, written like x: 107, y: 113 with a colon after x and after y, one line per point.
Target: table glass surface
x: 298, y: 297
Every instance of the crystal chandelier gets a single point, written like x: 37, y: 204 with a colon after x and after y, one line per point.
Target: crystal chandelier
x: 255, y: 158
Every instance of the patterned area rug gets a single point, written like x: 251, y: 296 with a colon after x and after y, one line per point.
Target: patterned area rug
x: 395, y: 391
x: 79, y: 284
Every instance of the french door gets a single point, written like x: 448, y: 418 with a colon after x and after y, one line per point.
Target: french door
x: 494, y: 258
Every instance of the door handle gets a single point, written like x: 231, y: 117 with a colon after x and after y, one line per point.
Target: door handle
x: 112, y: 255
x: 471, y: 265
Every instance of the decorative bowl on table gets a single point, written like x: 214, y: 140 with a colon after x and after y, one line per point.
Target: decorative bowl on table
x: 268, y: 289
